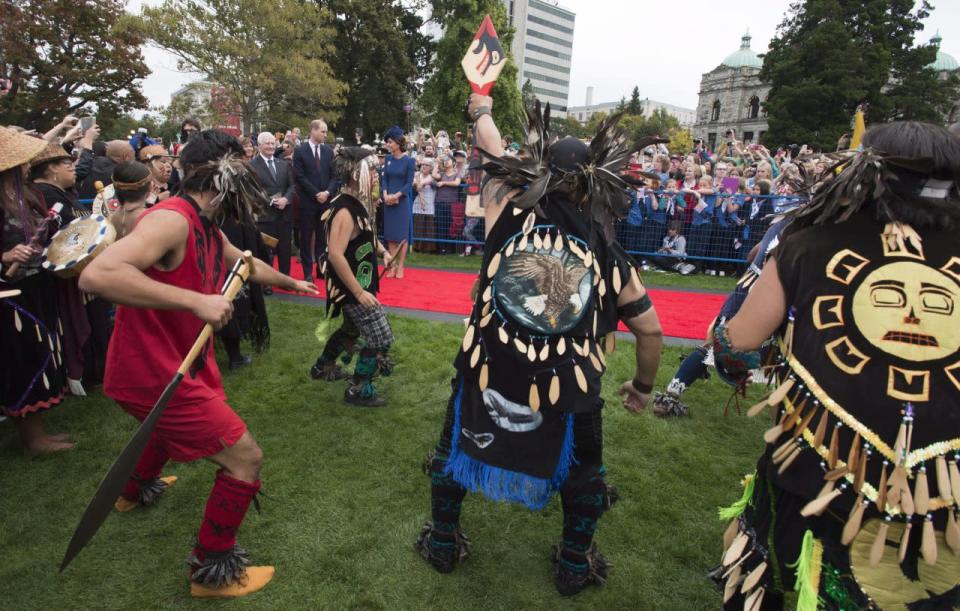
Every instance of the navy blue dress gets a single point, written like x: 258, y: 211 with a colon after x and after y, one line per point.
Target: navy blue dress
x: 398, y: 176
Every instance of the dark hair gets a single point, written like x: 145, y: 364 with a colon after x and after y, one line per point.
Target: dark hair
x: 131, y: 172
x: 190, y: 121
x: 915, y: 140
x: 675, y: 225
x: 202, y: 148
x: 401, y: 142
x: 764, y: 185
x: 40, y: 170
x: 99, y: 148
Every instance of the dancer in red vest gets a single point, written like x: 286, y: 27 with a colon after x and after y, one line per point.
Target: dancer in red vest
x: 166, y: 275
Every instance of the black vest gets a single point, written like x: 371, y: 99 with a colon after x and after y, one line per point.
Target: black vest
x: 361, y: 254
x: 545, y: 303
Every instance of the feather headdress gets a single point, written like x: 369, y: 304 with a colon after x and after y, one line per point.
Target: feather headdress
x: 597, y: 181
x: 239, y: 194
x: 869, y: 177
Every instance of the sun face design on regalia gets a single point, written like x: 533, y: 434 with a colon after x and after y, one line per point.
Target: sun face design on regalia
x: 903, y: 305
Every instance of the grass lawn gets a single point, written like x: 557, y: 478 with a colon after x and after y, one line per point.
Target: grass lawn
x: 650, y: 278
x: 347, y: 497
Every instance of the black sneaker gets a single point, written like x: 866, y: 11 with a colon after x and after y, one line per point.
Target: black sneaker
x: 330, y: 372
x: 568, y: 582
x: 354, y: 396
x: 443, y: 552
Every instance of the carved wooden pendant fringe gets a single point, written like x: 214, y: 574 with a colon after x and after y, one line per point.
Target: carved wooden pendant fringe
x: 754, y: 602
x: 854, y: 454
x: 928, y: 542
x: 881, y: 500
x: 804, y: 423
x: 601, y: 356
x: 955, y: 482
x: 547, y: 242
x: 783, y: 451
x: 502, y: 334
x: 554, y: 392
x: 780, y: 393
x: 545, y: 352
x: 486, y: 320
x: 818, y: 505
x: 511, y: 248
x: 861, y: 476
x: 791, y: 420
x: 952, y: 532
x: 730, y: 587
x: 493, y: 266
x: 907, y: 506
x: 879, y: 543
x: 588, y: 259
x: 617, y: 281
x: 581, y: 379
x: 789, y: 460
x: 484, y: 377
x: 610, y: 343
x: 522, y: 246
x: 519, y: 345
x: 904, y: 541
x: 475, y: 357
x: 488, y: 292
x: 943, y: 479
x: 537, y: 241
x: 895, y: 485
x: 39, y: 337
x: 921, y: 492
x: 531, y: 353
x: 602, y: 287
x: 468, y: 338
x: 517, y: 211
x: 595, y: 362
x: 759, y: 407
x: 561, y: 346
x: 529, y: 222
x: 558, y: 243
x: 46, y: 382
x: 575, y: 249
x: 731, y: 532
x: 899, y: 448
x: 773, y: 433
x: 852, y: 527
x: 835, y: 474
x: 534, y: 398
x: 578, y: 349
x: 821, y: 431
x: 753, y: 578
x: 735, y: 550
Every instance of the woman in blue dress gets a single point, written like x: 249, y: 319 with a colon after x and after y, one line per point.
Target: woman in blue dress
x: 397, y: 188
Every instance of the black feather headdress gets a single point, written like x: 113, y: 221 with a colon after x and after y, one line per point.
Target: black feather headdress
x: 239, y: 194
x: 597, y: 184
x: 871, y: 178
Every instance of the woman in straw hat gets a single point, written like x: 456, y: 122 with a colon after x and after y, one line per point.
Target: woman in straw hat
x: 31, y: 364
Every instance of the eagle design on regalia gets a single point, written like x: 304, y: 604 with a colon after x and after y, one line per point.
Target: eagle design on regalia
x: 557, y: 281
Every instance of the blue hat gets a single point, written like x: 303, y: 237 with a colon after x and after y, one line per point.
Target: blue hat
x: 394, y: 133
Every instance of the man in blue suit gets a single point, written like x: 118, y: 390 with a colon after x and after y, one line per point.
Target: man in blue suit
x: 316, y: 186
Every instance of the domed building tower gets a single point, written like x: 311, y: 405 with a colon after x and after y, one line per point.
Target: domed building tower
x: 731, y: 96
x: 945, y: 64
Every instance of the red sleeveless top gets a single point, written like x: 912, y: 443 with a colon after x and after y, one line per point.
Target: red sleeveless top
x: 147, y: 346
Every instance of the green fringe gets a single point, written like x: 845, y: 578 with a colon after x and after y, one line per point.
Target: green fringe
x: 808, y: 567
x: 737, y: 509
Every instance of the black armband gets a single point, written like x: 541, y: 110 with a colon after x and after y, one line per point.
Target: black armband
x: 636, y: 308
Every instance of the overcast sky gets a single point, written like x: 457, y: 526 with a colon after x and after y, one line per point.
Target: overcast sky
x: 662, y: 47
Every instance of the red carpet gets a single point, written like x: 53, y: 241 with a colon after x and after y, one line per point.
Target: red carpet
x: 682, y: 313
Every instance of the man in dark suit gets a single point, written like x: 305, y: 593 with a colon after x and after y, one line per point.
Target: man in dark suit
x: 277, y: 180
x: 316, y: 186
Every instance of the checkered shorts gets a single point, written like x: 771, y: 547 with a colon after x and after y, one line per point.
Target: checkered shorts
x: 372, y: 324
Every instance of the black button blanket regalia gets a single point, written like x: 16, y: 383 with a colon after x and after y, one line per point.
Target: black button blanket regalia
x: 534, y: 350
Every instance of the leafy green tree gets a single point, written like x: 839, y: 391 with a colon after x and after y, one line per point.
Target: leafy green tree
x: 681, y: 141
x: 64, y: 56
x: 829, y: 56
x: 660, y: 123
x: 270, y: 56
x: 621, y: 105
x: 567, y: 126
x: 446, y: 92
x: 526, y: 92
x: 381, y: 53
x: 635, y: 107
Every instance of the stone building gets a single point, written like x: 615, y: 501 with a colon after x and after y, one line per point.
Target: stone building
x: 731, y: 96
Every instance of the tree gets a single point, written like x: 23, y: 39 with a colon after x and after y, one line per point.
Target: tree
x: 268, y: 55
x: 660, y: 123
x: 635, y: 107
x: 681, y: 141
x: 64, y: 57
x: 382, y: 55
x: 446, y: 91
x: 621, y: 105
x: 829, y: 56
x: 567, y: 126
x: 526, y: 92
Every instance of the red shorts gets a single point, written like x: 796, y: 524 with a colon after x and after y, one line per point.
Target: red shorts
x: 193, y: 431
